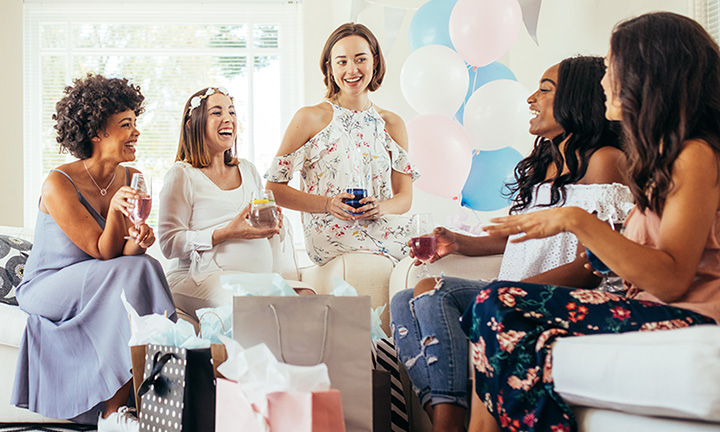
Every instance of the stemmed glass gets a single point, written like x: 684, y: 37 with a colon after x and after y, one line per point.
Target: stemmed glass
x: 610, y: 282
x: 263, y: 211
x: 358, y: 189
x: 142, y: 184
x: 422, y: 243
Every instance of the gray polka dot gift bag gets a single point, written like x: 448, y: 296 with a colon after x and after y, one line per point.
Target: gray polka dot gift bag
x: 178, y: 390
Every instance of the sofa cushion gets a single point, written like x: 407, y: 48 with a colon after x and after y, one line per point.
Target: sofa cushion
x: 668, y: 373
x: 14, y: 252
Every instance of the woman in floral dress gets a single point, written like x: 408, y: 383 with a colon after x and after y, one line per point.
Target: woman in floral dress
x: 347, y: 142
x: 670, y: 255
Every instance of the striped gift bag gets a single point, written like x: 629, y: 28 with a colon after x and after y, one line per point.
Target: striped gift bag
x: 385, y: 359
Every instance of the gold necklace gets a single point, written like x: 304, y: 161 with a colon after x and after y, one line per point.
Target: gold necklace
x: 103, y: 191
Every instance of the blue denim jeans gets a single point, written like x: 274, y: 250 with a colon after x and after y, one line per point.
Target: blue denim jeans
x: 430, y: 342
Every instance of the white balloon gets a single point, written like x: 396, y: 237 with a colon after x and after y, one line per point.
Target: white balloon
x: 434, y: 80
x: 497, y: 115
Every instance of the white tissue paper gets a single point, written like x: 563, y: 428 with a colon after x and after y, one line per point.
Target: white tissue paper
x: 256, y: 284
x: 158, y: 329
x: 258, y: 372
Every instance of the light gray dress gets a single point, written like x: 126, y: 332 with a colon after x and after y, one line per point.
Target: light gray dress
x: 74, y: 353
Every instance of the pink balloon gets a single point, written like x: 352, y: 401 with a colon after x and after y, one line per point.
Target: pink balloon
x: 441, y: 151
x: 483, y: 30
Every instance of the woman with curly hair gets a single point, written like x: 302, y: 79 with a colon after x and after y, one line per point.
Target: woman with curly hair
x: 74, y: 360
x: 576, y: 161
x: 663, y: 85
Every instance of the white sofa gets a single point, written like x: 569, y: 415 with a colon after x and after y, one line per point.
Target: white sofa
x: 664, y: 381
x: 369, y: 274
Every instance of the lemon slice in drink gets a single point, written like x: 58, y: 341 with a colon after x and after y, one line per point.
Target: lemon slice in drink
x: 261, y: 201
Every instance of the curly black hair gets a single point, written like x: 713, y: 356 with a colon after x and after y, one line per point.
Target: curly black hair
x: 87, y: 105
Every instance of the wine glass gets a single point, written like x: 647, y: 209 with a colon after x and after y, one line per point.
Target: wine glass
x: 263, y: 211
x: 422, y: 243
x: 359, y: 191
x: 610, y: 282
x: 142, y: 184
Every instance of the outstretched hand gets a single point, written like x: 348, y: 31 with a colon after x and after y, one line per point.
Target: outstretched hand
x: 539, y: 224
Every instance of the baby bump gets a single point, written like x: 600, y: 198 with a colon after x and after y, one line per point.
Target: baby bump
x: 252, y: 256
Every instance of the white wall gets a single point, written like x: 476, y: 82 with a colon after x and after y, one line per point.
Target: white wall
x: 566, y: 27
x: 11, y: 113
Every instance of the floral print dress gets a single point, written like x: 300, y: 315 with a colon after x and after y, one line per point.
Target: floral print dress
x: 354, y: 150
x: 512, y: 326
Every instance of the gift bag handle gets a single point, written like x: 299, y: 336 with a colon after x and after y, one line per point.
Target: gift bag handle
x: 160, y: 383
x: 222, y: 325
x: 325, y: 331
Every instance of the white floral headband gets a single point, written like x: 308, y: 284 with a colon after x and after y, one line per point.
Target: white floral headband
x: 195, y: 102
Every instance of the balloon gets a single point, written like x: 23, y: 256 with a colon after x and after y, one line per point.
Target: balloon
x: 434, y: 80
x: 483, y: 30
x: 483, y: 75
x: 441, y: 152
x: 497, y: 116
x: 429, y: 25
x: 485, y: 184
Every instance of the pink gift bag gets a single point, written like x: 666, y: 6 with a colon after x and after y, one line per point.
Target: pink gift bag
x: 287, y: 411
x: 233, y: 412
x: 305, y: 411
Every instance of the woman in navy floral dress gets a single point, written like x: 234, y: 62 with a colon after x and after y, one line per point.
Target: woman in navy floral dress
x: 663, y: 85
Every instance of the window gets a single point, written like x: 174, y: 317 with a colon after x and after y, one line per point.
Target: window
x: 707, y: 13
x: 171, y: 50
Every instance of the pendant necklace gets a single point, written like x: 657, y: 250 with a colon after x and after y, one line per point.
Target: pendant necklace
x: 103, y: 191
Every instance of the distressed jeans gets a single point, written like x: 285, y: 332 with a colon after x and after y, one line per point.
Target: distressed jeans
x: 430, y: 343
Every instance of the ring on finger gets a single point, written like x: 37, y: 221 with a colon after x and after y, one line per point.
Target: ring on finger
x: 519, y: 228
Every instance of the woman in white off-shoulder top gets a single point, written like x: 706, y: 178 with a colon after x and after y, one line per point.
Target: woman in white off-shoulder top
x: 576, y: 161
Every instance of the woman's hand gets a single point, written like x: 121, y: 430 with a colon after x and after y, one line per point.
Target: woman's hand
x: 121, y: 200
x: 539, y: 224
x: 144, y: 236
x: 336, y: 207
x: 372, y: 209
x: 240, y: 227
x: 446, y: 244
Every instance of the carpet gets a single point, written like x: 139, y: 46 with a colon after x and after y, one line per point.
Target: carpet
x: 44, y: 427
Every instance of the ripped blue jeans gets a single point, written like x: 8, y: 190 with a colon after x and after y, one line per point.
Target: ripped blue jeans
x: 430, y: 343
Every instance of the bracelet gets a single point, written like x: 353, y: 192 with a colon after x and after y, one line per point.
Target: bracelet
x: 326, y: 203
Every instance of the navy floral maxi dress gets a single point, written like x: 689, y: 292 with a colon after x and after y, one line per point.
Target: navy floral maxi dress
x: 512, y: 326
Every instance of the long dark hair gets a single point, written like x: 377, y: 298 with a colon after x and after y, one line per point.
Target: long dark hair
x: 666, y: 73
x: 579, y: 108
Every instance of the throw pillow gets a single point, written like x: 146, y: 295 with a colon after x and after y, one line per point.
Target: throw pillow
x: 13, y: 255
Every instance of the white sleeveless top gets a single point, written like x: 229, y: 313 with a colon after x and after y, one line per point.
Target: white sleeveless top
x: 532, y: 257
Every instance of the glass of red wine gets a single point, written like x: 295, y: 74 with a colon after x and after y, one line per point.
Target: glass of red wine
x: 263, y: 211
x: 422, y: 242
x: 142, y: 206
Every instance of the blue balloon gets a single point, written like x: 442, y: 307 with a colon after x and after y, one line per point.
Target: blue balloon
x: 484, y: 189
x: 483, y: 75
x: 429, y: 25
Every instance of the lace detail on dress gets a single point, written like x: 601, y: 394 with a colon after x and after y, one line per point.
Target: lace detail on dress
x: 529, y: 258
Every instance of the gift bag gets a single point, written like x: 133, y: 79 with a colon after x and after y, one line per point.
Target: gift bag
x: 178, y: 390
x: 307, y: 330
x: 291, y: 411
